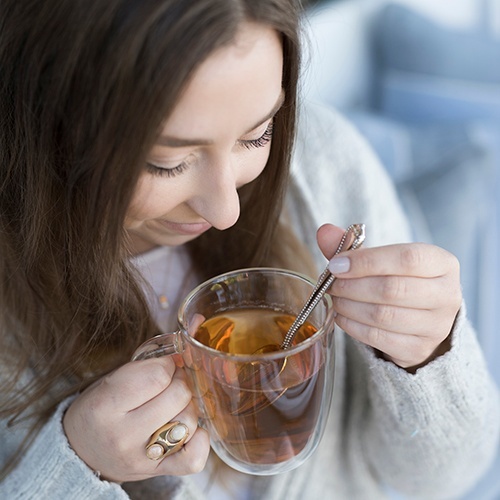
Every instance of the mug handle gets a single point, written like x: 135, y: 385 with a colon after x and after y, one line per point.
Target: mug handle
x: 159, y: 345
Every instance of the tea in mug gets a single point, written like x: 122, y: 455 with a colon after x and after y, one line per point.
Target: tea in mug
x: 249, y: 331
x: 263, y: 411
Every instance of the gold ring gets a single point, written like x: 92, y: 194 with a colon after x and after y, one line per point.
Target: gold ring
x: 167, y: 440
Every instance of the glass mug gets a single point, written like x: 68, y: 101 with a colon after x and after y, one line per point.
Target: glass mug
x: 265, y: 408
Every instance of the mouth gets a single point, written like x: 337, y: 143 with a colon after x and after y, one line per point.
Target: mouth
x: 187, y: 228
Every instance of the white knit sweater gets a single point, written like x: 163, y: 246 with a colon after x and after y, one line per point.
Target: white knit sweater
x: 429, y: 435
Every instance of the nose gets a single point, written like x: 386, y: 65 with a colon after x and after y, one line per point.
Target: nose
x: 217, y: 199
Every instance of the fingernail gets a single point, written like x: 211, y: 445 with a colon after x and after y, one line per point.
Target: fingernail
x: 339, y: 265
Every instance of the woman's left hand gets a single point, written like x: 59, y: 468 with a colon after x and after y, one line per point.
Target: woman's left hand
x: 400, y: 299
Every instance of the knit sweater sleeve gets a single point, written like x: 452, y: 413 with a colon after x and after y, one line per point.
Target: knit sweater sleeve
x: 431, y: 434
x: 50, y: 468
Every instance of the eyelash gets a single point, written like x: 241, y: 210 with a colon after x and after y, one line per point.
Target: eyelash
x: 262, y: 140
x: 248, y: 144
x: 167, y: 172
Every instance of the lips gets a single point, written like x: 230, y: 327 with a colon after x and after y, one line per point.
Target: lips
x: 187, y: 228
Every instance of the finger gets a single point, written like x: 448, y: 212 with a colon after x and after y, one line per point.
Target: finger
x: 415, y: 259
x: 164, y: 407
x: 186, y: 360
x: 329, y: 237
x: 405, y: 350
x: 389, y: 318
x: 195, y: 323
x: 190, y: 459
x: 135, y: 383
x: 134, y: 464
x: 188, y: 418
x: 402, y: 291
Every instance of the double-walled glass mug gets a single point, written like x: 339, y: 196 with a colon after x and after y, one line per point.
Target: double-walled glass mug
x: 265, y: 408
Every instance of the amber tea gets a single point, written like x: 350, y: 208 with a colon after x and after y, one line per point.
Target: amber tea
x: 264, y: 412
x: 247, y: 331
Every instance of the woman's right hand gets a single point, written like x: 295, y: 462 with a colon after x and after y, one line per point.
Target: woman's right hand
x: 111, y: 422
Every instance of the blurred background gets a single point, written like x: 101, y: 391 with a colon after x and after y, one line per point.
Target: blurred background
x: 420, y: 79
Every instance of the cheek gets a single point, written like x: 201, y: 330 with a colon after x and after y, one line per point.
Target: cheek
x: 142, y: 193
x: 152, y: 198
x: 252, y: 165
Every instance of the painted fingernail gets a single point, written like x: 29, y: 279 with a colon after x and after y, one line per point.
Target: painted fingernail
x: 339, y: 265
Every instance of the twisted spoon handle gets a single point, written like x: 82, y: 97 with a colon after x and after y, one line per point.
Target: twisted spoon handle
x: 324, y: 282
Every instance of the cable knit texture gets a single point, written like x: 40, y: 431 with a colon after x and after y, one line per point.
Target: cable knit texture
x: 429, y: 435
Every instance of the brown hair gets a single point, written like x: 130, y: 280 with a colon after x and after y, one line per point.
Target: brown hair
x: 84, y: 87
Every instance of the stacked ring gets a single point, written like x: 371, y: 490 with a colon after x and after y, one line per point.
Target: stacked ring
x: 167, y: 440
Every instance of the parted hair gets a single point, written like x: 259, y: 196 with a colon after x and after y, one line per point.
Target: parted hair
x: 84, y: 88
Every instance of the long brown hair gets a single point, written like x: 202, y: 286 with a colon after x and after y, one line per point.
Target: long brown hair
x: 84, y: 88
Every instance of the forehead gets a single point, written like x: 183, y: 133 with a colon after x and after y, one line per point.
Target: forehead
x: 238, y: 83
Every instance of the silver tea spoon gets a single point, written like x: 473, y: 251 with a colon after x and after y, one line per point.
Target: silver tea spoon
x: 324, y: 282
x: 254, y: 404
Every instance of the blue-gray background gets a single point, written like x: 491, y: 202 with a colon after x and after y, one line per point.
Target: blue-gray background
x: 421, y: 81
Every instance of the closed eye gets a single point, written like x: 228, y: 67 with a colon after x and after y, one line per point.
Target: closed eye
x: 261, y: 141
x: 167, y: 172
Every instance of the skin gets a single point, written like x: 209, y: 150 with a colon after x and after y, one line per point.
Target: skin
x: 232, y: 97
x: 400, y: 299
x: 243, y: 83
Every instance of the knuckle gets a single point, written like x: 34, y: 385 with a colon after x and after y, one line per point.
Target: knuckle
x: 103, y: 396
x: 375, y: 337
x: 196, y: 463
x: 93, y: 392
x: 382, y: 314
x: 158, y: 377
x: 119, y: 445
x: 338, y: 286
x: 393, y: 288
x: 411, y: 257
x: 364, y: 261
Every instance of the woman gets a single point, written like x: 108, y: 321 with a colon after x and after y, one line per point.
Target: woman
x: 145, y: 147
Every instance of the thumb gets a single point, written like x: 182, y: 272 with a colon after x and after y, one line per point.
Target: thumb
x: 328, y: 237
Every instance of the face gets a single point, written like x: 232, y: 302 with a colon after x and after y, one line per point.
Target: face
x: 216, y: 140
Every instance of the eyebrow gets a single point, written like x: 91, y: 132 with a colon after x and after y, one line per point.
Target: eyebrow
x: 177, y: 142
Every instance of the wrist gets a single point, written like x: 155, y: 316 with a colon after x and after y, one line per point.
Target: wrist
x: 441, y: 349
